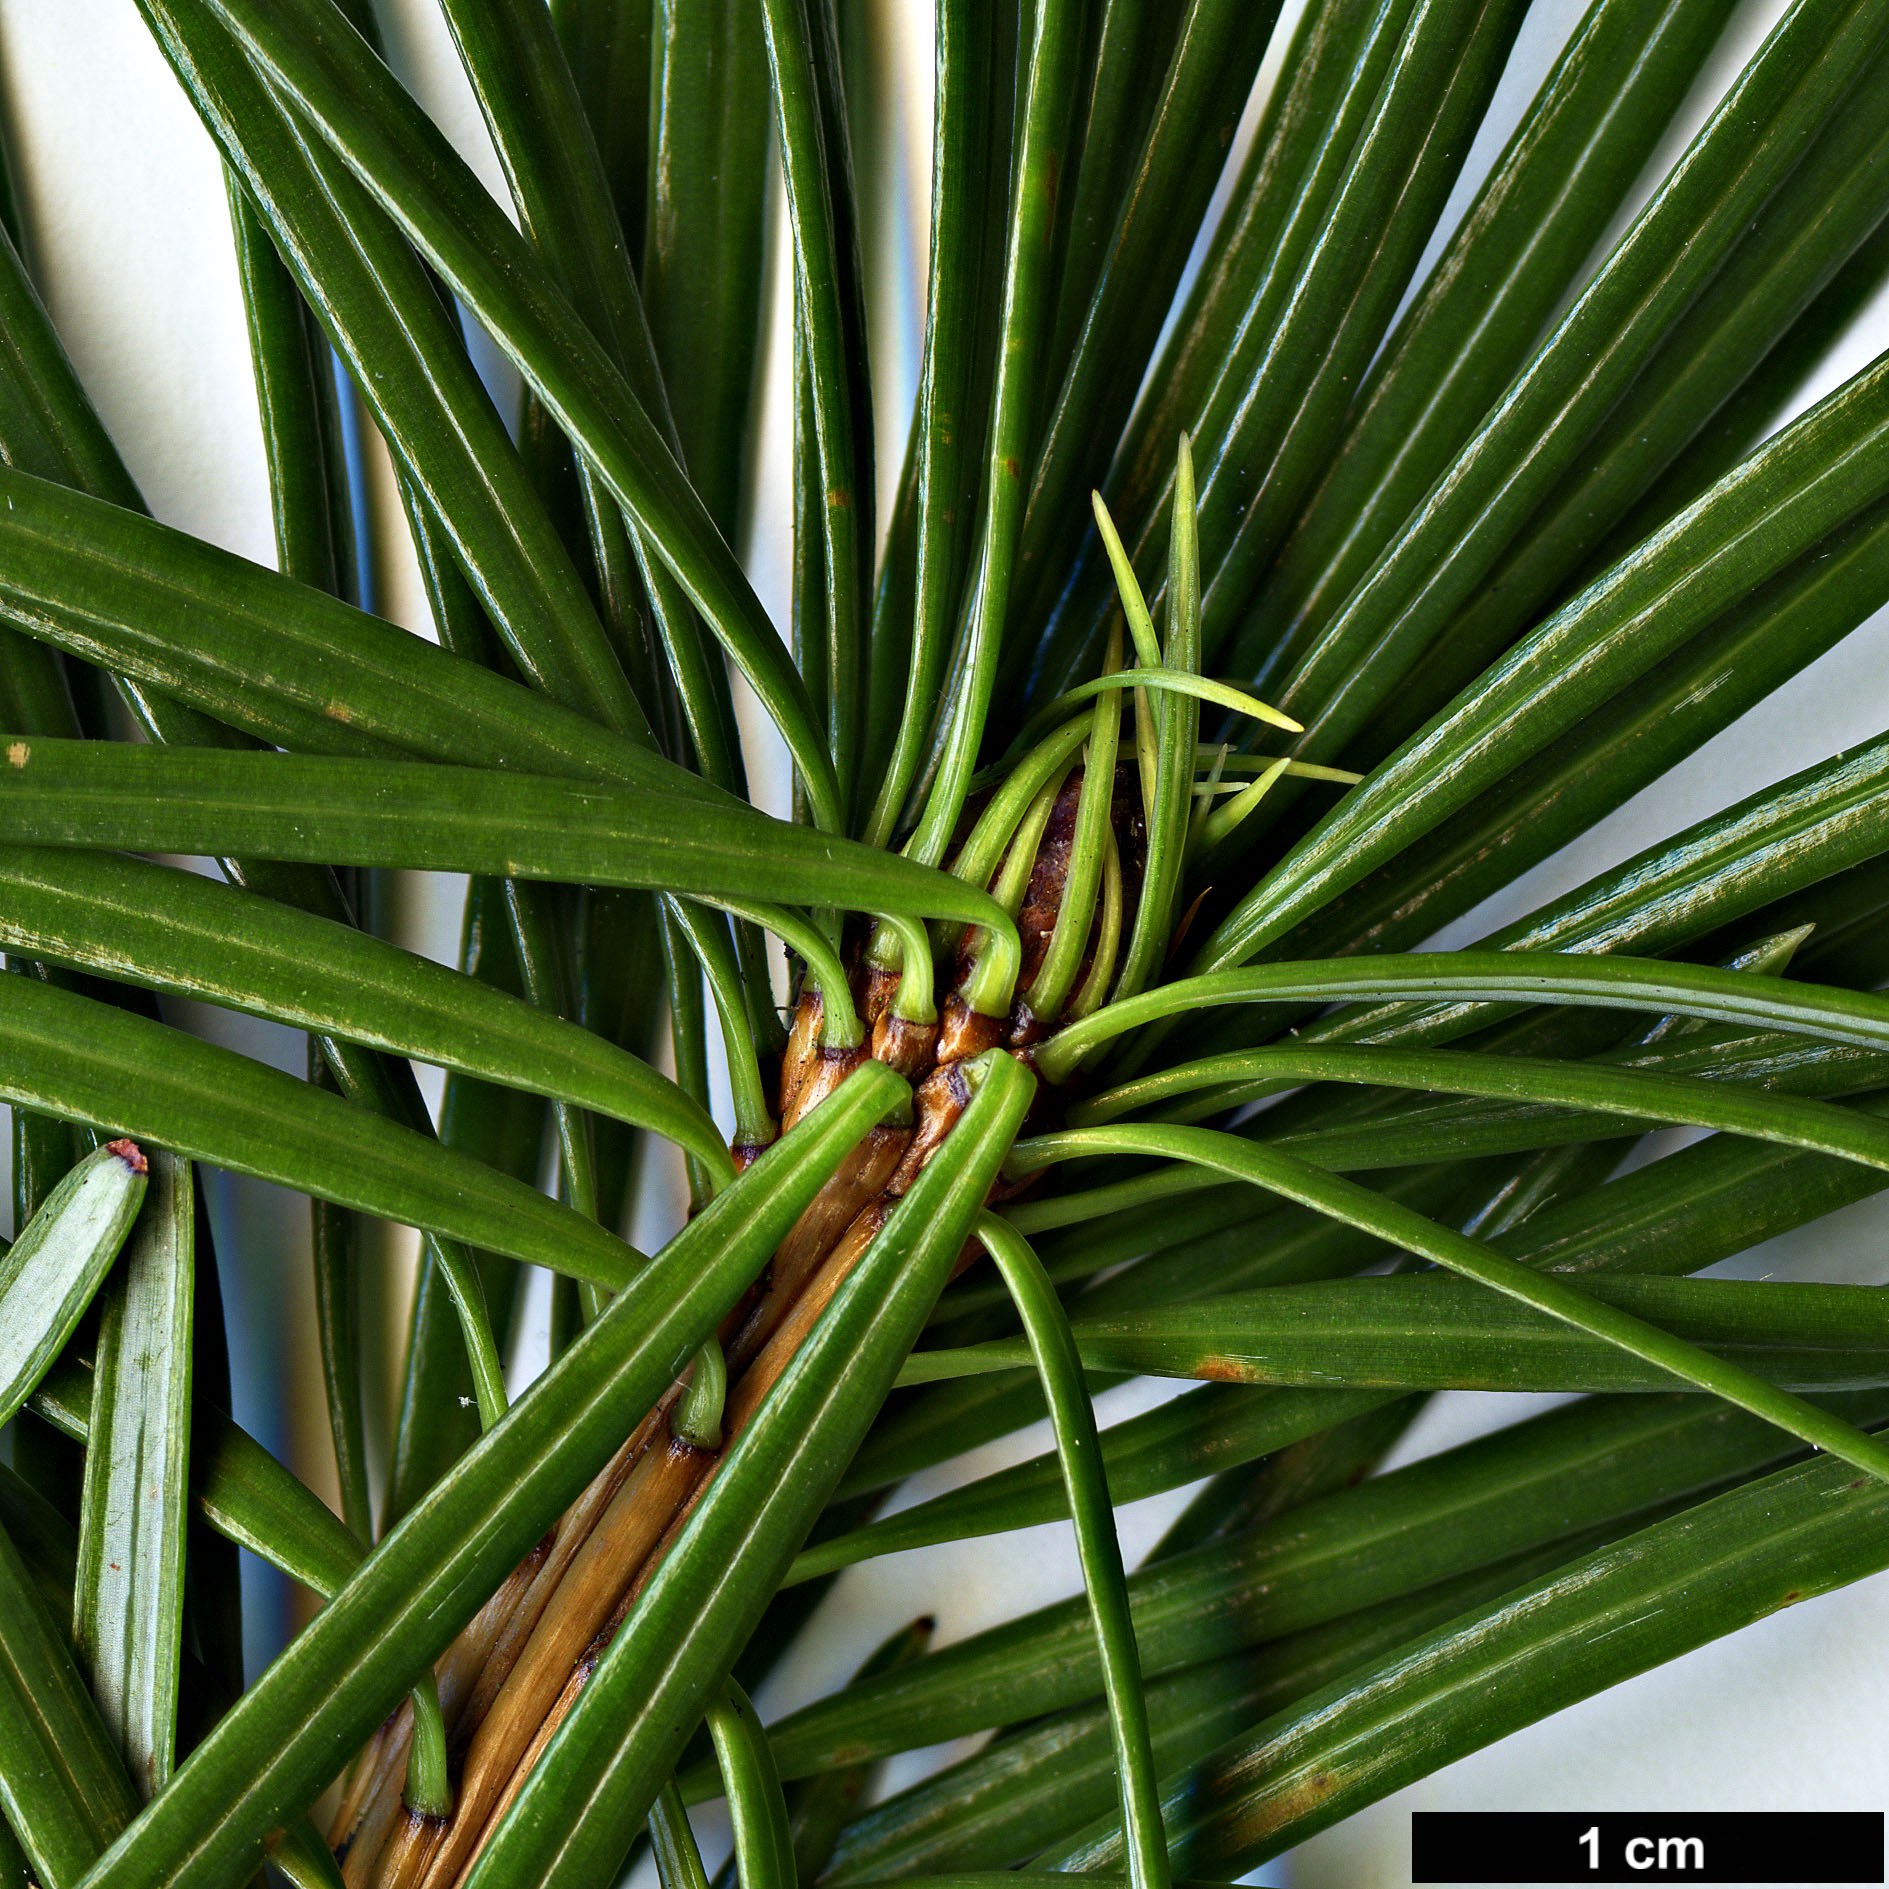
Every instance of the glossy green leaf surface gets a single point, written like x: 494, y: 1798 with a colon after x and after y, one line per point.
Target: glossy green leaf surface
x: 403, y: 160
x: 702, y: 249
x: 1047, y: 53
x: 304, y: 1857
x: 672, y: 1842
x: 1775, y: 845
x: 1637, y: 1093
x: 235, y: 1484
x: 1722, y: 1053
x: 1527, y: 442
x: 1433, y: 1332
x: 1676, y: 1585
x: 1475, y: 1259
x: 626, y: 1731
x: 351, y: 1665
x: 533, y: 105
x: 1618, y: 750
x: 1829, y: 205
x: 301, y: 420
x: 1755, y: 521
x: 190, y: 936
x: 1054, y: 1354
x: 1213, y: 1242
x: 1330, y: 68
x: 62, y: 1785
x: 51, y: 1272
x: 1504, y: 452
x: 931, y: 527
x: 1389, y: 142
x: 1040, y: 1783
x: 128, y: 1602
x: 821, y: 1807
x: 1165, y: 1448
x: 1204, y: 87
x: 1362, y: 242
x: 764, y: 1847
x: 391, y: 813
x: 1610, y: 982
x: 1545, y: 204
x: 88, y: 1062
x: 835, y: 413
x: 275, y: 657
x: 1530, y: 1483
x: 389, y: 324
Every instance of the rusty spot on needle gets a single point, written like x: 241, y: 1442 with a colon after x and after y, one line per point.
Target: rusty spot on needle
x: 1294, y: 1800
x: 1221, y: 1370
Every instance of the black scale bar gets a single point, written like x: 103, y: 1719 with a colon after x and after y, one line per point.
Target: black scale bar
x: 1803, y: 1848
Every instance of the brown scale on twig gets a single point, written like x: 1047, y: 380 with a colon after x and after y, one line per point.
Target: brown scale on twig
x: 512, y: 1675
